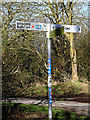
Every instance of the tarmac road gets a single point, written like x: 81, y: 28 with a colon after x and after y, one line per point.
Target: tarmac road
x: 79, y: 108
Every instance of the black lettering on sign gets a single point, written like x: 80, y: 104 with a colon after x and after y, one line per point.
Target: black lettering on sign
x: 26, y: 23
x: 27, y: 27
x: 44, y: 25
x: 17, y: 26
x: 67, y: 28
x: 21, y: 27
x: 78, y: 29
x: 55, y: 27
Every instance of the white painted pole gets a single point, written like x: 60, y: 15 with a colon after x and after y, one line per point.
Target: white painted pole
x: 49, y: 75
x: 49, y: 80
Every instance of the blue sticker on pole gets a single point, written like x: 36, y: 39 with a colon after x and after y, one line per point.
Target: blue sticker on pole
x: 49, y: 66
x: 38, y: 26
x: 50, y: 101
x: 50, y: 92
x: 50, y: 95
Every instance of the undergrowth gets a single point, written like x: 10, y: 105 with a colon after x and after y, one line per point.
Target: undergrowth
x: 16, y: 110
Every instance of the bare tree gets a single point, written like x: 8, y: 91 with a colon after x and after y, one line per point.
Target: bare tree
x: 66, y: 13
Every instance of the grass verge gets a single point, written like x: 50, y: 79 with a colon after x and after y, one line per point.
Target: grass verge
x: 16, y: 111
x: 67, y: 89
x: 63, y: 89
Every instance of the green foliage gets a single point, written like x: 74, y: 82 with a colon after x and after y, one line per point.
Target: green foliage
x: 83, y: 56
x: 10, y: 109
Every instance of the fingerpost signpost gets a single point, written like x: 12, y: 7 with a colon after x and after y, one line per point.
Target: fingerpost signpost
x: 52, y: 30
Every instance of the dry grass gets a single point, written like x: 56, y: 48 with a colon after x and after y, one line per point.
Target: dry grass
x: 83, y: 86
x: 29, y: 115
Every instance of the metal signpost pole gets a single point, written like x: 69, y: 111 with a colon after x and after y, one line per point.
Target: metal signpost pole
x: 49, y: 79
x: 49, y: 73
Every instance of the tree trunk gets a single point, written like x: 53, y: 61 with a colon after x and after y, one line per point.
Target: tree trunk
x: 73, y: 59
x: 72, y: 47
